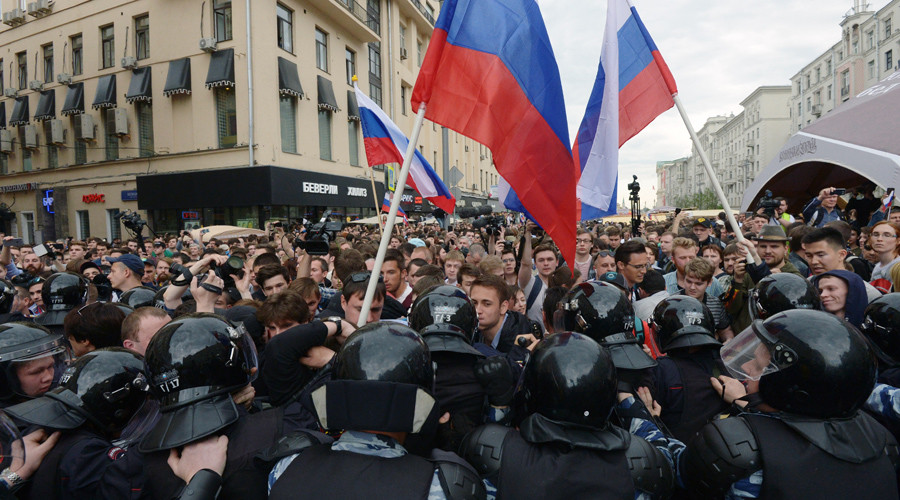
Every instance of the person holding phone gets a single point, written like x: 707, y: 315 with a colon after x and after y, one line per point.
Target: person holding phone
x: 823, y: 208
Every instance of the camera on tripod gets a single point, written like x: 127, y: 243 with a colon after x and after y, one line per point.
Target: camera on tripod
x: 634, y: 186
x: 768, y: 204
x: 131, y: 220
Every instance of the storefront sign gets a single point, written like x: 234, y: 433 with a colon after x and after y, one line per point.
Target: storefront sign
x: 47, y: 200
x: 13, y: 188
x: 318, y: 188
x: 130, y: 195
x: 94, y: 198
x: 190, y: 215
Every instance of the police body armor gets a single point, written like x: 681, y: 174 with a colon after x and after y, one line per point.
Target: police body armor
x: 698, y: 401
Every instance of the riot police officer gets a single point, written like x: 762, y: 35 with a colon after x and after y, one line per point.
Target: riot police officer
x: 685, y: 331
x: 566, y: 447
x: 98, y: 395
x: 139, y: 297
x: 380, y: 393
x: 7, y: 297
x: 813, y: 372
x: 780, y: 292
x: 195, y: 363
x: 61, y: 293
x: 31, y: 361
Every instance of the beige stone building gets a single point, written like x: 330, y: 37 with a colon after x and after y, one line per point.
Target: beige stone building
x: 167, y: 108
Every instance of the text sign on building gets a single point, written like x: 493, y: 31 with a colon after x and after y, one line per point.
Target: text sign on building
x: 94, y: 198
x: 13, y: 188
x: 47, y: 200
x: 129, y: 195
x: 190, y: 215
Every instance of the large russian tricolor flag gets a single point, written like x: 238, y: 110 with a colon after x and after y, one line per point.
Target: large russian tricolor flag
x: 632, y: 88
x: 490, y: 74
x: 385, y: 143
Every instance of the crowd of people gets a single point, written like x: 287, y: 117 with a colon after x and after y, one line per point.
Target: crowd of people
x: 675, y: 361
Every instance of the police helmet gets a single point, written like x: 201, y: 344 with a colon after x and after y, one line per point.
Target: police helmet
x: 570, y: 378
x: 446, y: 318
x: 194, y: 363
x: 28, y: 355
x: 881, y: 325
x: 104, y: 287
x: 602, y: 312
x: 681, y: 321
x: 780, y: 292
x: 385, y: 368
x: 7, y: 296
x: 139, y: 297
x: 104, y: 387
x: 61, y: 293
x: 808, y: 363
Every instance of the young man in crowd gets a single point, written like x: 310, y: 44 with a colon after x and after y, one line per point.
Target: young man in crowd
x: 825, y: 251
x: 394, y: 272
x: 454, y: 260
x: 703, y: 230
x: 535, y: 286
x: 467, y: 275
x: 698, y: 273
x: 583, y: 244
x: 632, y: 262
x: 683, y: 251
x: 272, y: 279
x: 140, y: 326
x: 125, y: 272
x: 498, y: 326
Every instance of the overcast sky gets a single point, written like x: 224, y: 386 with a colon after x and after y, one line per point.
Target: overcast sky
x: 718, y: 52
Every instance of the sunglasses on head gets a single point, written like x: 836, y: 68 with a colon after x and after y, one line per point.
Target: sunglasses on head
x: 362, y: 277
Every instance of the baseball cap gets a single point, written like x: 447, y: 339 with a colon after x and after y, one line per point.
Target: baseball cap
x: 131, y: 261
x: 703, y: 221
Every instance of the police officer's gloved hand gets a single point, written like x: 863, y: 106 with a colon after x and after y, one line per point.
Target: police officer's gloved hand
x: 497, y: 378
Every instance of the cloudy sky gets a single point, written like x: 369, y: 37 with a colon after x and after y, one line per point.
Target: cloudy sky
x: 719, y: 52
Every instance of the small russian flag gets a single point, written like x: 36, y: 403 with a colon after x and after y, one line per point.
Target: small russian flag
x: 386, y: 206
x: 889, y: 199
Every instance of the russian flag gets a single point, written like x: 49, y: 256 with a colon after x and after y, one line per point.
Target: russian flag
x: 490, y: 74
x: 386, y: 206
x: 385, y: 143
x: 889, y: 199
x: 632, y: 88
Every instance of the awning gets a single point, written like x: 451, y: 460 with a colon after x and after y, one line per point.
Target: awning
x: 352, y: 106
x: 139, y: 88
x: 74, y: 104
x: 178, y: 81
x: 2, y: 115
x: 106, y: 92
x: 46, y: 109
x: 20, y: 112
x: 326, y: 95
x: 288, y: 78
x: 221, y: 69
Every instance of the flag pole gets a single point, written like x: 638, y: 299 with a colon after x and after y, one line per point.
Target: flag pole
x: 375, y: 197
x: 712, y: 175
x: 392, y: 216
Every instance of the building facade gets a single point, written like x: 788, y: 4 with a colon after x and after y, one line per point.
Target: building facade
x: 193, y: 113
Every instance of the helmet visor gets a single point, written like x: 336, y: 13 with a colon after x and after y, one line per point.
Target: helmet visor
x: 748, y: 356
x: 12, y: 448
x: 28, y: 374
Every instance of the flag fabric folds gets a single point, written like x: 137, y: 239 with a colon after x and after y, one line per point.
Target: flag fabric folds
x: 490, y: 74
x: 385, y: 143
x: 386, y: 206
x: 632, y: 88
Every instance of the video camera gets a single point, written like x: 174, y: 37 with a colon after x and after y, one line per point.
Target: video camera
x: 131, y: 220
x: 319, y: 237
x: 466, y: 213
x: 491, y: 225
x: 768, y: 204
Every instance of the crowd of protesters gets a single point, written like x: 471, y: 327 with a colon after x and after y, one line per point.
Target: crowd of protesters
x: 673, y: 362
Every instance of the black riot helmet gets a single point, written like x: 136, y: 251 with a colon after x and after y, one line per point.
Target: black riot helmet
x: 570, y: 378
x: 28, y: 354
x: 104, y: 387
x: 194, y: 363
x: 104, y: 287
x: 446, y: 318
x: 602, y: 312
x: 61, y: 293
x: 385, y: 368
x: 881, y: 325
x: 139, y: 297
x: 681, y: 321
x: 808, y: 363
x: 780, y: 292
x: 7, y: 296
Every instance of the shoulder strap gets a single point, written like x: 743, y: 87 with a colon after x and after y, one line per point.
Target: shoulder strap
x: 535, y: 290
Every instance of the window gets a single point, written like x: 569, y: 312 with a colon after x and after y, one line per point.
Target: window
x: 830, y: 94
x: 84, y: 224
x: 818, y: 74
x: 142, y: 37
x: 871, y: 69
x: 889, y: 60
x: 321, y: 50
x: 226, y: 117
x: 108, y: 46
x: 144, y: 112
x: 350, y: 62
x: 77, y: 55
x: 113, y: 223
x: 48, y: 62
x: 403, y: 93
x: 887, y: 28
x: 808, y: 103
x: 828, y: 66
x: 222, y: 18
x: 375, y: 72
x: 4, y: 163
x: 2, y: 86
x: 80, y: 146
x: 26, y: 153
x: 353, y: 133
x: 419, y: 52
x: 288, y: 112
x: 402, y: 33
x: 22, y: 61
x: 870, y: 39
x: 52, y: 149
x: 845, y: 83
x: 285, y: 27
x: 28, y: 227
x: 112, y: 140
x: 324, y: 134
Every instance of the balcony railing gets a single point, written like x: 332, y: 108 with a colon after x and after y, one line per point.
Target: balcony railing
x: 370, y: 19
x: 424, y: 12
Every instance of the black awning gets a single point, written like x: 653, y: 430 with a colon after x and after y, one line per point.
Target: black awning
x: 326, y: 95
x: 2, y: 115
x: 46, y: 109
x: 221, y: 69
x: 20, y: 112
x: 74, y: 104
x: 106, y: 92
x: 352, y: 106
x: 178, y: 81
x: 139, y: 88
x: 288, y: 78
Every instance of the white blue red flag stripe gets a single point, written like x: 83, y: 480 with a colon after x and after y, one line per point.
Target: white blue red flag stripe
x: 386, y: 205
x: 385, y: 143
x: 889, y: 199
x: 633, y: 87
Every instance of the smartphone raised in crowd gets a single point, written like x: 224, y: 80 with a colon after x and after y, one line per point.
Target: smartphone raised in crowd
x: 14, y: 242
x: 838, y: 191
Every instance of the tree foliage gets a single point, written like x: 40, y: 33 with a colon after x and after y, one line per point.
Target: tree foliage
x: 704, y: 200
